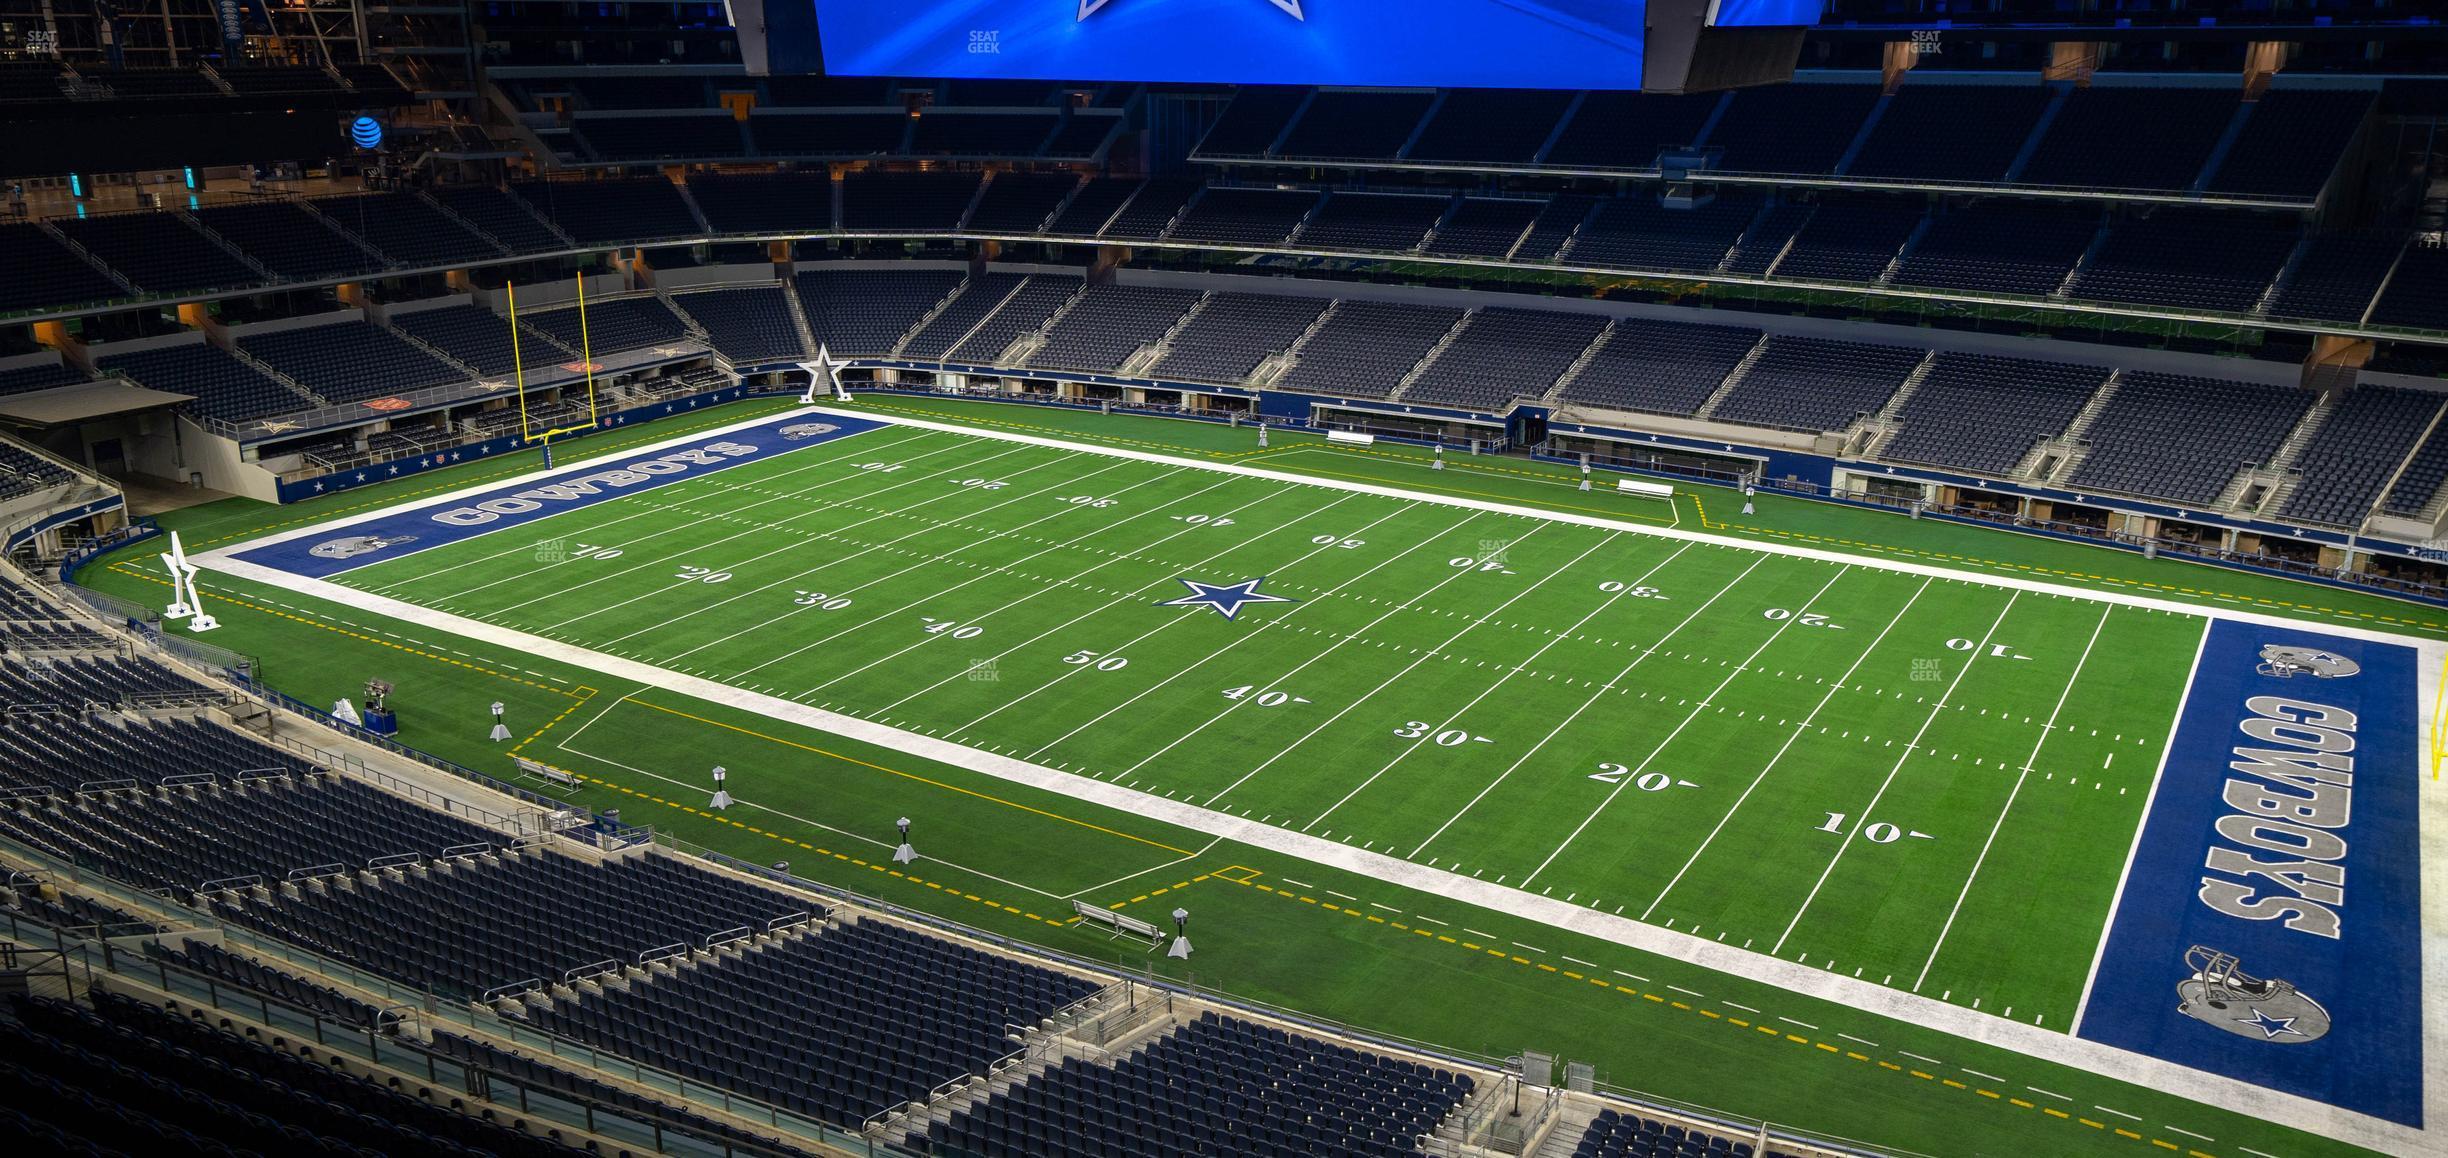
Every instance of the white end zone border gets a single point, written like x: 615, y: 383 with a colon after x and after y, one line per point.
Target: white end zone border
x: 2223, y: 1092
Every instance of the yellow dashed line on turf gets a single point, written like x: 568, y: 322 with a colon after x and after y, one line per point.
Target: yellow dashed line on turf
x: 1771, y: 1031
x: 947, y: 890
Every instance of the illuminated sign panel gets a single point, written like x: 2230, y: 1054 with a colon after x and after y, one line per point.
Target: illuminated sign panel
x: 1565, y: 44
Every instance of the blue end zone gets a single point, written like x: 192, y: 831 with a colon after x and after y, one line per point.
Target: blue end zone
x: 449, y: 521
x: 2284, y: 833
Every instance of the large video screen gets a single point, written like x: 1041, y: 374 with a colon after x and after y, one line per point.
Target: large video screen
x: 1568, y: 44
x: 1765, y: 13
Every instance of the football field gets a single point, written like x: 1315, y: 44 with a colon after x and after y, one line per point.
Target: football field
x: 1897, y: 776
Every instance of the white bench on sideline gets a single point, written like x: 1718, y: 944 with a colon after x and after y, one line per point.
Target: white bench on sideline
x: 1644, y: 487
x: 1350, y: 439
x: 1121, y: 925
x: 546, y: 773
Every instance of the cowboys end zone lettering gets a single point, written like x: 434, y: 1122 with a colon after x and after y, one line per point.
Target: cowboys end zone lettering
x: 404, y: 532
x: 2270, y: 930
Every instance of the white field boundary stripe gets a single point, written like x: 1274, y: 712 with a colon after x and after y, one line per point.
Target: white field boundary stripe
x: 1877, y: 1000
x: 2150, y: 797
x: 2046, y: 730
x: 2002, y: 582
x: 539, y: 474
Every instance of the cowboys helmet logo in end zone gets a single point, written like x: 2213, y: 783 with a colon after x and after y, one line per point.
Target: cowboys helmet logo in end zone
x: 355, y: 545
x: 2221, y: 994
x: 798, y: 430
x: 2287, y: 661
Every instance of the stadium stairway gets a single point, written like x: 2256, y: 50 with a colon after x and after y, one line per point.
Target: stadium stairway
x: 1732, y: 379
x: 1453, y: 333
x: 1877, y: 429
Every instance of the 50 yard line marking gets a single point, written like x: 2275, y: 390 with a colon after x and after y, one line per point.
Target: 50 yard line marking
x: 1100, y: 565
x: 1864, y: 818
x: 2046, y: 730
x: 1424, y: 657
x: 1238, y: 640
x: 1118, y: 649
x: 1278, y: 680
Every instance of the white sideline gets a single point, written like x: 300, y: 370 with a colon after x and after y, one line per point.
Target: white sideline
x: 2051, y: 1045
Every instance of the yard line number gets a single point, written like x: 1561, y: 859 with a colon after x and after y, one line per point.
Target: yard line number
x: 820, y: 601
x: 690, y: 573
x: 1265, y: 699
x: 1449, y: 738
x: 1801, y: 619
x: 1612, y: 773
x: 1879, y: 832
x: 1629, y: 590
x: 952, y: 627
x: 584, y: 551
x: 1086, y: 658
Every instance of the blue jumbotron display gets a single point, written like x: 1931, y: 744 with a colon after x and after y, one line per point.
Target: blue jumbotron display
x: 1765, y: 13
x: 1449, y: 43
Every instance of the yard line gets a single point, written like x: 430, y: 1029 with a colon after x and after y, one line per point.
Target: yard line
x: 1799, y: 729
x: 790, y: 544
x: 1408, y: 668
x: 1253, y: 634
x: 1073, y: 670
x: 1553, y: 639
x: 1060, y: 510
x: 1297, y: 669
x: 665, y: 560
x: 2046, y: 730
x: 1935, y: 711
x: 1108, y: 561
x: 678, y: 491
x: 939, y: 524
x: 1594, y: 697
x: 1697, y: 708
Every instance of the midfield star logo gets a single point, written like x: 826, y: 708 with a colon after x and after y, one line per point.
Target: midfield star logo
x: 1226, y: 600
x: 1088, y: 8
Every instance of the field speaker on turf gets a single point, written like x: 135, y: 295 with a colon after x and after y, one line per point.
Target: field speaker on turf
x: 904, y: 854
x: 722, y: 796
x: 501, y: 731
x: 1181, y: 935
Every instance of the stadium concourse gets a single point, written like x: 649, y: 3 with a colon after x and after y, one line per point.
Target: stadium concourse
x: 1373, y: 577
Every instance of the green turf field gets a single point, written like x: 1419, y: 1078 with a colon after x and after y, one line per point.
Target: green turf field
x: 1690, y: 682
x: 1840, y: 765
